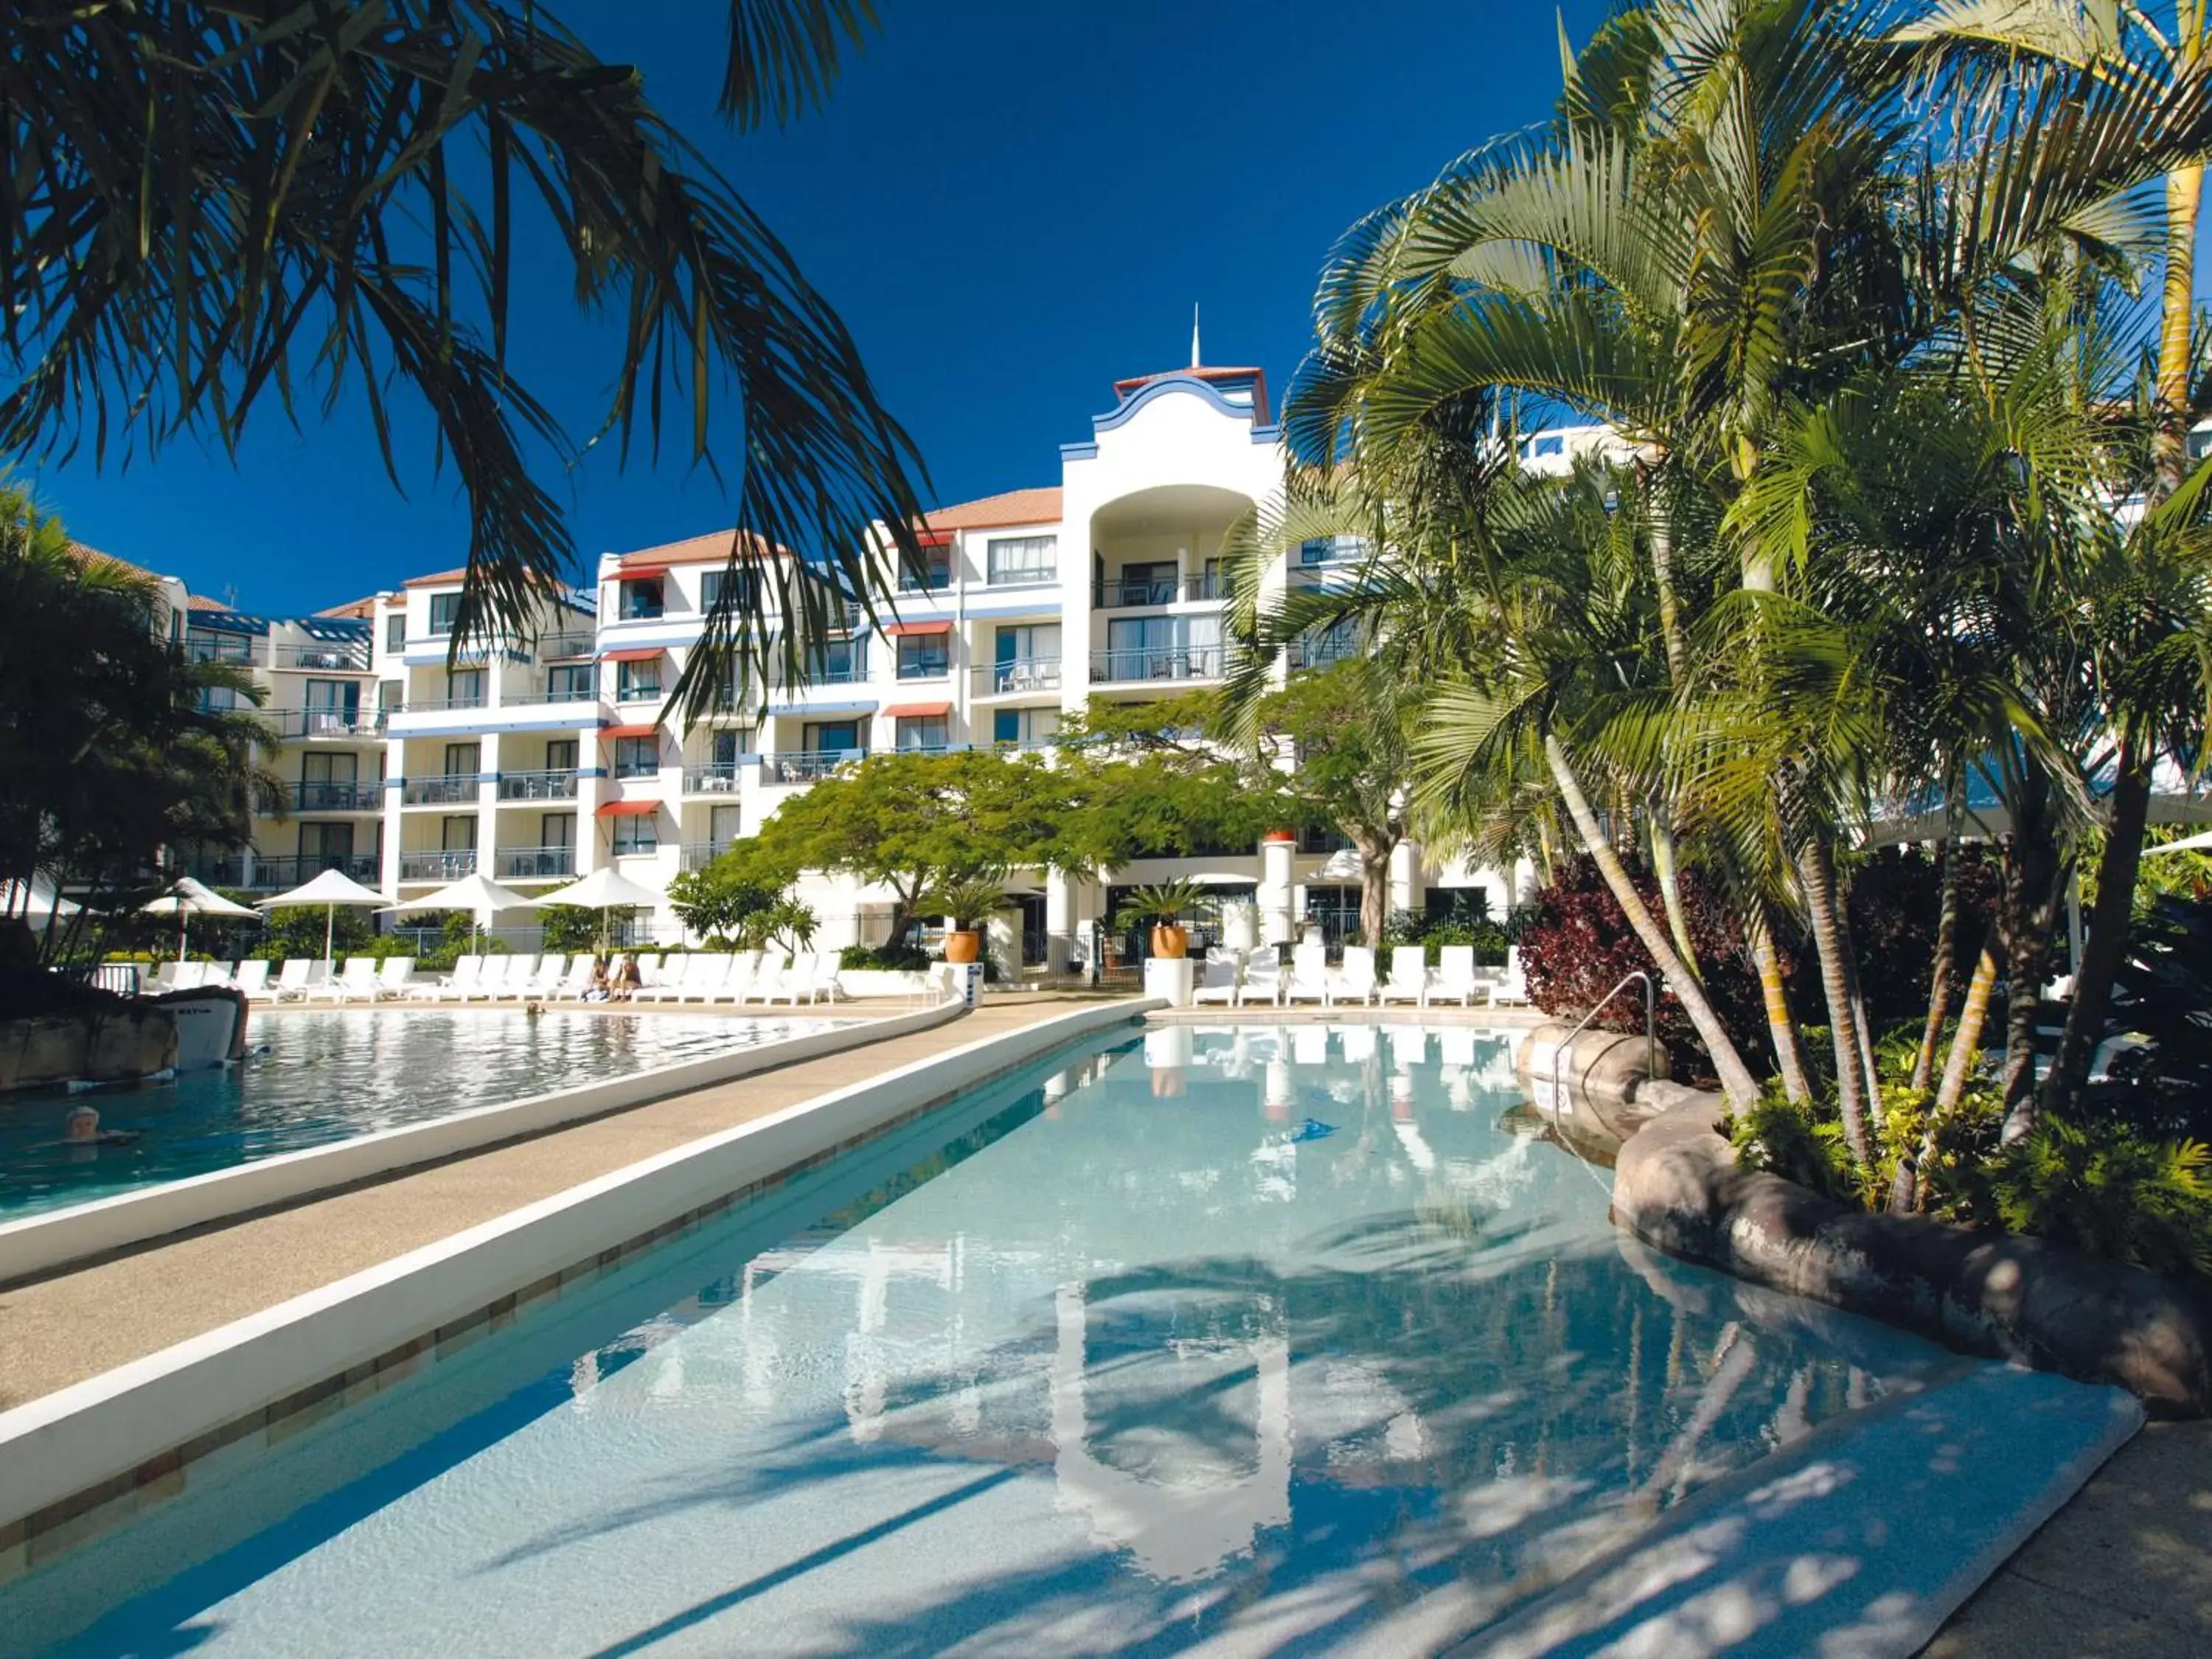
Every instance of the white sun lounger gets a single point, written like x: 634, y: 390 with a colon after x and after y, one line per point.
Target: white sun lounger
x: 707, y: 970
x: 577, y: 980
x: 667, y: 983
x: 512, y: 980
x: 1409, y: 976
x: 357, y: 978
x: 528, y: 981
x: 1310, y: 976
x: 164, y: 979
x: 1219, y: 978
x: 253, y: 981
x: 1355, y: 979
x: 1455, y: 979
x: 1262, y: 979
x: 654, y: 971
x: 735, y: 979
x: 392, y: 983
x: 291, y: 981
x: 813, y: 977
x: 466, y: 971
x: 768, y: 978
x: 1512, y: 991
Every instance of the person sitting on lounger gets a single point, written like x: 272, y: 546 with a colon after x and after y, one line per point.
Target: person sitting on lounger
x: 626, y: 981
x: 598, y: 989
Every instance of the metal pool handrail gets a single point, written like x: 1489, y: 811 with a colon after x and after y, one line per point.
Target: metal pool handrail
x: 1650, y: 1031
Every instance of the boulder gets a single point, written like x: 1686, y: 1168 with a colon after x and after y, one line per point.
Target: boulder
x: 1602, y: 1080
x: 107, y: 1044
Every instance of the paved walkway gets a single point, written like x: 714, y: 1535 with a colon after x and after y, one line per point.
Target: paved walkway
x: 61, y: 1329
x: 2124, y: 1571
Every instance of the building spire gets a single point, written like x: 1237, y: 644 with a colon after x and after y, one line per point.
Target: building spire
x: 1193, y: 334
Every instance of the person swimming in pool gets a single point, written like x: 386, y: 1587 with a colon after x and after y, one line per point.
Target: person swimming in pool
x: 83, y: 1132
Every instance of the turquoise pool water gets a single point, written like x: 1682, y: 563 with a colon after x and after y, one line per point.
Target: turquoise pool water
x: 331, y: 1073
x: 1227, y: 1340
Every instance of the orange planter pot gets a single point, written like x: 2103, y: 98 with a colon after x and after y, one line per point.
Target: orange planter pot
x: 964, y: 947
x: 1170, y: 944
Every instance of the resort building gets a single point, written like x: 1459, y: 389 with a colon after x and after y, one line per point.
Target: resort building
x: 541, y: 758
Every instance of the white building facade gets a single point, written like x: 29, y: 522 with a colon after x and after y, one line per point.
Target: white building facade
x: 540, y: 759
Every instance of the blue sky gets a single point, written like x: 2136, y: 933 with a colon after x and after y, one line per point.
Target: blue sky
x: 1011, y: 205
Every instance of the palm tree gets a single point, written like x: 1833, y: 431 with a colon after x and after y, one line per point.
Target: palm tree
x: 206, y: 208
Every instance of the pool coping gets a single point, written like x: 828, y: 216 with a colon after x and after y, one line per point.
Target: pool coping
x: 78, y: 1461
x: 50, y: 1239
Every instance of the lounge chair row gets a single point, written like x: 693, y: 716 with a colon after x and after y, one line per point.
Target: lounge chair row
x: 1225, y: 977
x: 299, y: 980
x: 704, y: 977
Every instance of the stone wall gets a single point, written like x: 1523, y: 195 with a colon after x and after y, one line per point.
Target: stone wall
x: 105, y: 1045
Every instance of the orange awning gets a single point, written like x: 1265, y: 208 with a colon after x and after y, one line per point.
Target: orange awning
x: 629, y: 809
x: 917, y: 710
x: 934, y: 538
x: 900, y: 630
x: 638, y: 653
x: 638, y: 572
x: 606, y: 732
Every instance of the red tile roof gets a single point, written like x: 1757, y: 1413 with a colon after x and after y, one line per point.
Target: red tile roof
x: 201, y: 601
x: 437, y: 578
x: 713, y: 548
x: 1038, y: 506
x: 1257, y: 376
x: 359, y: 609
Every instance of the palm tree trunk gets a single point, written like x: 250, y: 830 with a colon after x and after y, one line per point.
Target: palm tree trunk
x: 1781, y: 1022
x: 1908, y: 1192
x: 1940, y: 972
x: 2184, y: 197
x: 2030, y: 908
x: 1816, y: 873
x: 1861, y: 1025
x: 1735, y: 1078
x: 2110, y: 922
x: 1664, y: 866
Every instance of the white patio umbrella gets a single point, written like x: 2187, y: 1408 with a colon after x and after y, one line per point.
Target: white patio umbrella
x: 601, y: 890
x: 330, y: 889
x: 477, y: 893
x: 36, y: 904
x: 2195, y: 843
x: 190, y: 898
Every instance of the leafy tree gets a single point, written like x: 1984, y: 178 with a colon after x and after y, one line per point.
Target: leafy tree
x: 206, y: 206
x: 717, y: 899
x: 573, y: 928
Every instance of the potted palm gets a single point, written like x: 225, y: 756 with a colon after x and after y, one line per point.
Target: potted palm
x: 967, y: 906
x: 1164, y: 904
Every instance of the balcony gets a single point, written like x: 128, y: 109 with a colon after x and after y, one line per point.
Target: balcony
x: 1129, y: 594
x: 807, y: 765
x: 1171, y: 663
x: 1322, y: 652
x: 1022, y: 575
x: 451, y: 789
x: 275, y: 874
x: 851, y: 671
x: 335, y: 657
x: 1010, y: 679
x: 585, y: 693
x: 449, y: 864
x: 438, y: 705
x: 721, y: 778
x: 559, y: 784
x: 355, y: 724
x: 242, y: 650
x: 574, y: 642
x: 934, y: 580
x: 536, y: 863
x: 639, y: 691
x: 323, y: 795
x: 698, y: 854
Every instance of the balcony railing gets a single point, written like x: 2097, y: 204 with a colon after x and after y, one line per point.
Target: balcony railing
x: 222, y: 648
x: 448, y: 789
x: 559, y: 784
x: 926, y: 668
x: 929, y: 581
x: 721, y: 778
x: 327, y: 795
x: 1127, y: 592
x: 1016, y: 575
x: 639, y: 691
x: 291, y: 869
x: 573, y: 643
x: 805, y: 765
x: 1005, y: 680
x: 438, y: 705
x: 293, y: 724
x: 449, y: 864
x: 1121, y: 667
x: 851, y: 671
x: 1321, y: 651
x: 698, y: 854
x: 340, y: 656
x: 536, y: 863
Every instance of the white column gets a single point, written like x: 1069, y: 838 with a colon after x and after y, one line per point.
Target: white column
x: 1060, y: 921
x: 1278, y: 924
x: 1406, y: 884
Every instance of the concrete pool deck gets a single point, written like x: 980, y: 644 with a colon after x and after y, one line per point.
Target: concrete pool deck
x: 78, y: 1322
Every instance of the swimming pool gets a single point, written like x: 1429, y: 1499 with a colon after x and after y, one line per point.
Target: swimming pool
x: 329, y: 1074
x: 1237, y: 1340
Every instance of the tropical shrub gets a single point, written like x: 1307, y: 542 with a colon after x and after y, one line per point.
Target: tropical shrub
x: 892, y: 958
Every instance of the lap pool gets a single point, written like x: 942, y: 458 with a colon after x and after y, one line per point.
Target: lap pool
x: 329, y: 1074
x: 1237, y: 1340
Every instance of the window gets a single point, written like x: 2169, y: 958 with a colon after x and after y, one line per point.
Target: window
x: 324, y: 846
x: 1024, y: 729
x: 936, y: 571
x: 557, y: 830
x: 1146, y: 583
x: 333, y: 705
x: 640, y: 834
x: 924, y: 731
x: 395, y: 631
x: 329, y: 769
x: 1009, y: 559
x: 731, y: 742
x: 1026, y: 658
x: 832, y: 737
x: 571, y: 682
x: 839, y: 662
x: 327, y: 785
x: 462, y: 758
x: 560, y: 754
x: 925, y: 656
x: 637, y: 682
x: 641, y: 598
x: 636, y: 758
x: 724, y: 824
x: 443, y: 608
x: 457, y: 834
x: 746, y: 596
x: 2200, y: 444
x: 465, y: 689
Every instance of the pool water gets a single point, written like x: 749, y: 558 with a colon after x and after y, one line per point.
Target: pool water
x: 329, y: 1074
x: 1237, y: 1340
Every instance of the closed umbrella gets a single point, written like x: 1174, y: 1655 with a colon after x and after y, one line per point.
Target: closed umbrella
x: 477, y: 893
x: 190, y: 898
x: 330, y: 889
x: 601, y: 890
